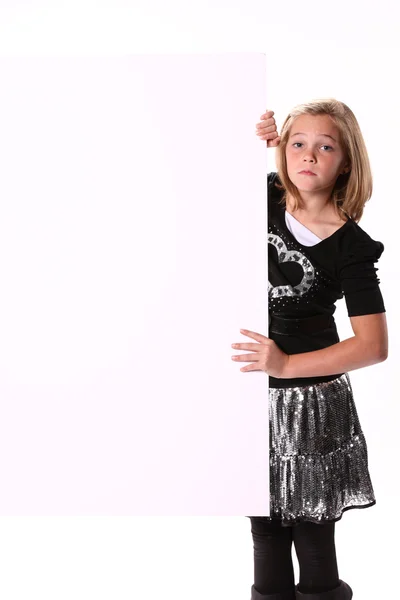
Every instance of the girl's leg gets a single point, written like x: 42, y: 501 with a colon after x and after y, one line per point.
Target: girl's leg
x: 316, y: 553
x: 273, y: 567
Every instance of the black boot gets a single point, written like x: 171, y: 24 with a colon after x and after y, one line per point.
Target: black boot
x: 342, y: 592
x: 287, y: 595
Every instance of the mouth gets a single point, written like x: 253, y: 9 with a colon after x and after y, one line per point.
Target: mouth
x: 306, y: 173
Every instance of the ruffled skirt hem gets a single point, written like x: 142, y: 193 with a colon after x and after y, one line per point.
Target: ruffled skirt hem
x: 292, y: 522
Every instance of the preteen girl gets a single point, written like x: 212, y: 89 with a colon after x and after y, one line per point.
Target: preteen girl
x: 317, y: 254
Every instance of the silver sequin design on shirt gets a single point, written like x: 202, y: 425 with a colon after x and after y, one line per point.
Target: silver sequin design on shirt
x: 285, y: 255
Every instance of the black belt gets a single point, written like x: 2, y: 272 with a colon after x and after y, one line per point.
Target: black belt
x: 290, y: 325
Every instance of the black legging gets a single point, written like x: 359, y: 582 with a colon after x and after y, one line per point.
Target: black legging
x: 315, y: 549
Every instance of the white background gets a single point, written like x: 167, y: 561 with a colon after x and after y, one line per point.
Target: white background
x: 347, y: 51
x: 133, y: 250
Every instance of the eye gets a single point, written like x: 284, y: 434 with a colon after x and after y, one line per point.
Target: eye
x: 324, y: 146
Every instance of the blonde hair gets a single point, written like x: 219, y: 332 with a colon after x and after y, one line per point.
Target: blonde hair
x: 351, y: 190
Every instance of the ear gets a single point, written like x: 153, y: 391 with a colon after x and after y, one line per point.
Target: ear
x: 345, y: 169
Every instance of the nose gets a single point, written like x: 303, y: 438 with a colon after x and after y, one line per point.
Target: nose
x: 309, y: 155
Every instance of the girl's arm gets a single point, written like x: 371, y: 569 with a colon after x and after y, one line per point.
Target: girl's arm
x: 367, y: 347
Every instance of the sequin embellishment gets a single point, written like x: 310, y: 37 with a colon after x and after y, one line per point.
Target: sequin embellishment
x: 285, y: 255
x: 318, y: 453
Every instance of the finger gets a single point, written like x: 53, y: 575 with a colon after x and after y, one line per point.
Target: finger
x: 268, y: 136
x: 247, y: 346
x: 267, y: 119
x: 252, y: 367
x: 245, y: 357
x: 265, y: 128
x: 265, y: 122
x: 271, y: 133
x: 275, y: 142
x: 257, y: 336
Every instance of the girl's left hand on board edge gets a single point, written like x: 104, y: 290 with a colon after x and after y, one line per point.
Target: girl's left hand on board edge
x: 266, y: 356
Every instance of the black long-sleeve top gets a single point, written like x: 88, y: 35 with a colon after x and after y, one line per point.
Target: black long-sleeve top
x: 307, y: 280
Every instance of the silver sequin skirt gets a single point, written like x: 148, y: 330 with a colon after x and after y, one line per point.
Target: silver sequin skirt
x: 318, y: 453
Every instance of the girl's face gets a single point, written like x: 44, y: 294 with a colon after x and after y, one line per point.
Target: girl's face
x: 313, y: 145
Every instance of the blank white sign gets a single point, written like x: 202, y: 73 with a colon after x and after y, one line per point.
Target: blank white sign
x: 133, y: 243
